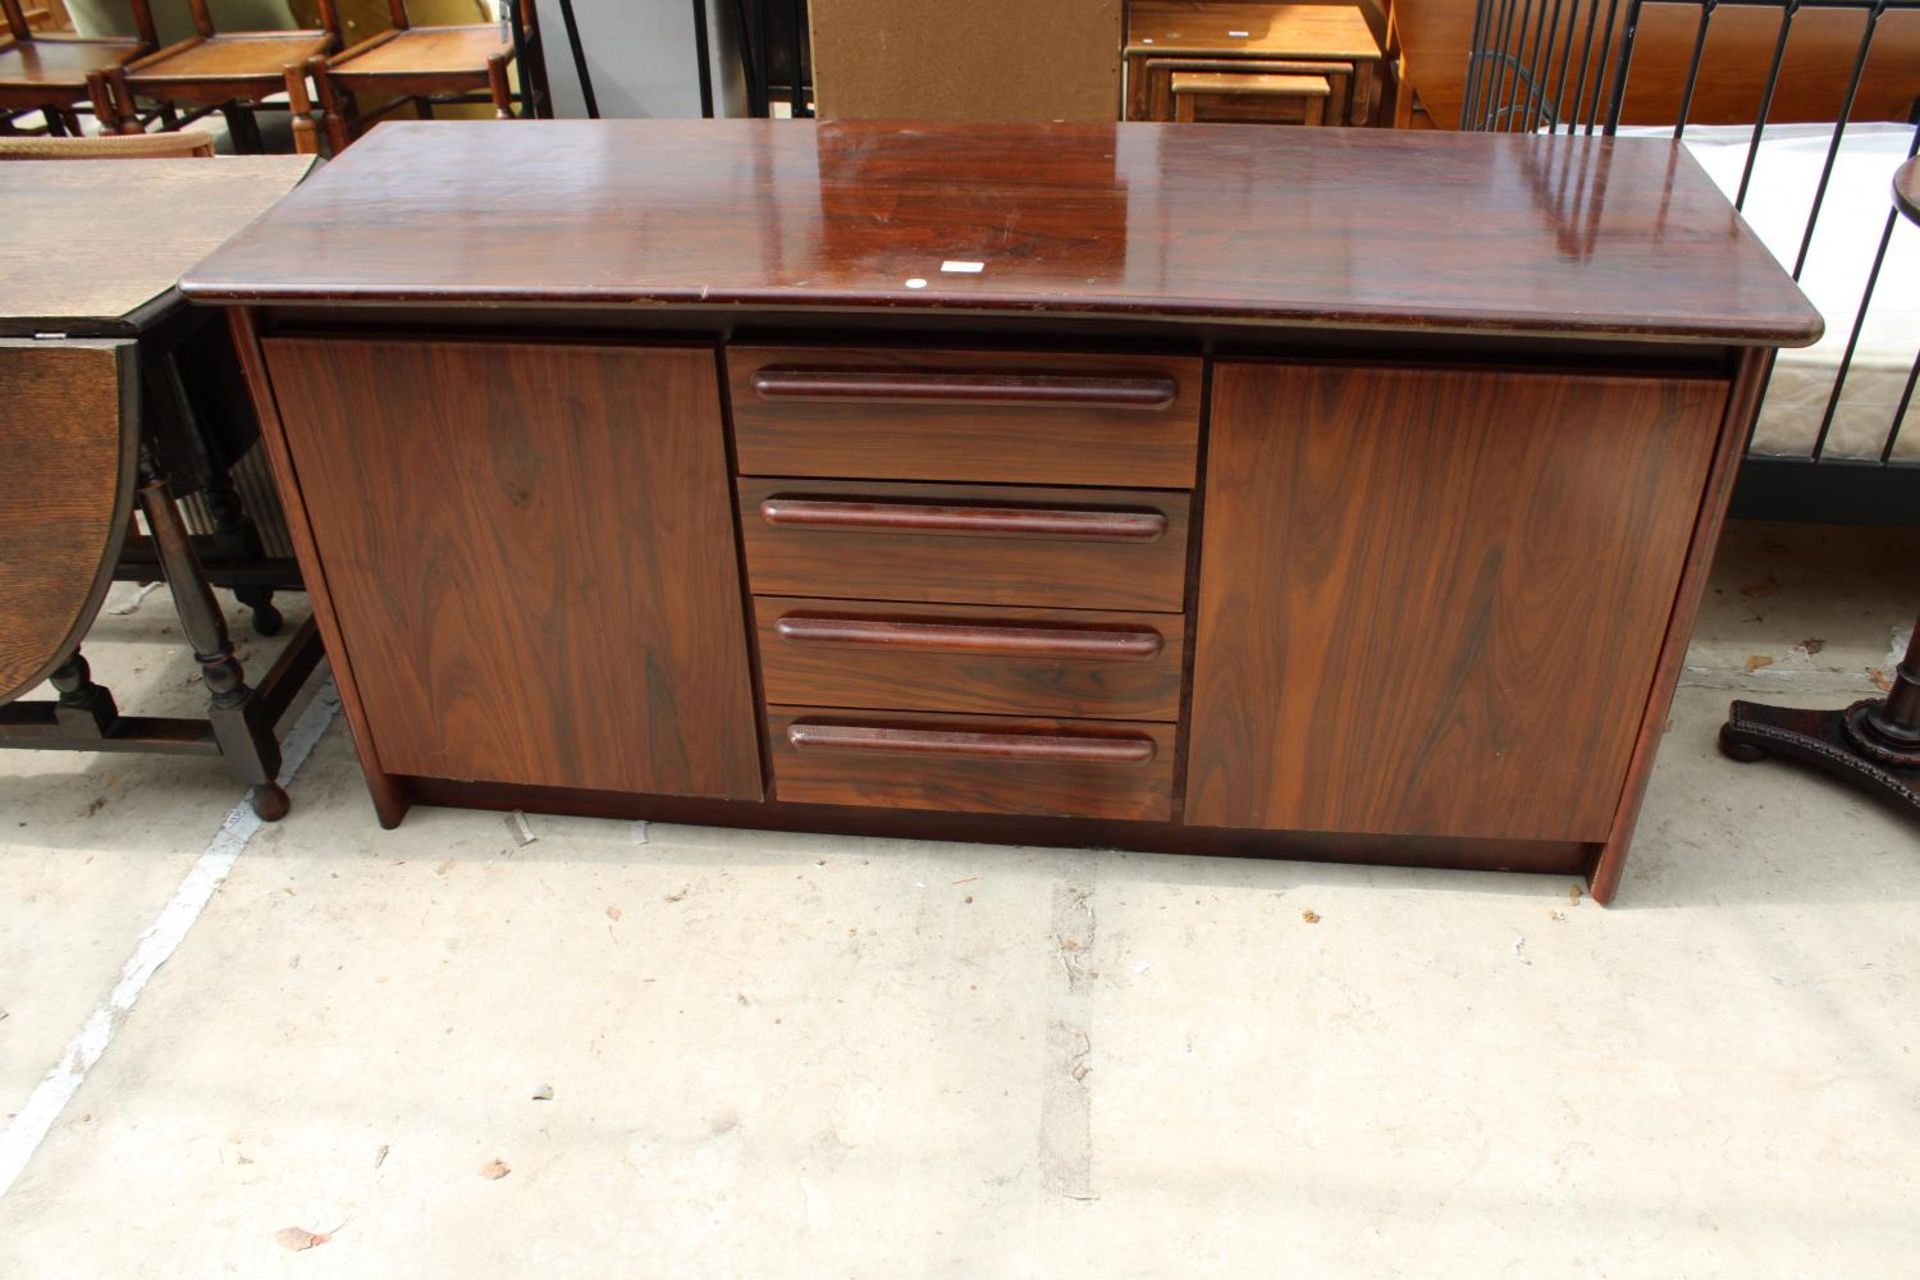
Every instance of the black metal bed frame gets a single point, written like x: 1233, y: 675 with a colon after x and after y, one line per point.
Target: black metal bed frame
x: 1563, y: 66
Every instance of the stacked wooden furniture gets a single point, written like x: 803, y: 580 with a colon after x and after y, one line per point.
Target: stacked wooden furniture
x: 421, y: 66
x: 1271, y: 63
x: 234, y: 72
x: 118, y: 395
x: 1201, y: 97
x: 51, y: 74
x: 1010, y: 483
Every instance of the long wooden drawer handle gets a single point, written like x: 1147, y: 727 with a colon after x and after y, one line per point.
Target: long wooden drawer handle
x: 1113, y: 749
x: 1108, y: 525
x: 1118, y: 644
x: 1068, y: 390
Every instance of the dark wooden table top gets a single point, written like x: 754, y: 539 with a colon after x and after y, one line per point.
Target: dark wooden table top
x: 1342, y: 227
x: 1906, y: 189
x: 91, y: 245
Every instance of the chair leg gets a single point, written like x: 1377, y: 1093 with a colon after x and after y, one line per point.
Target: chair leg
x: 120, y: 94
x: 497, y: 87
x: 306, y: 137
x: 243, y: 128
x: 331, y: 121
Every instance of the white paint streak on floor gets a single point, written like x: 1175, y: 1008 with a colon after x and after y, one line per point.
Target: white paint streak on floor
x: 28, y: 1127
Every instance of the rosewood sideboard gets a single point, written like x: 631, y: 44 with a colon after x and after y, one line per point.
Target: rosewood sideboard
x: 1323, y: 493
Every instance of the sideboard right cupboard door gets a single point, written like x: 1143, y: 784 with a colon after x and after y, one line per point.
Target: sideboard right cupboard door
x: 530, y: 547
x: 1431, y: 601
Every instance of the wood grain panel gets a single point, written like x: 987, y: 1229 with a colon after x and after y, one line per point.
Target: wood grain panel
x: 67, y: 447
x: 1431, y: 601
x: 905, y: 562
x: 531, y: 555
x: 924, y: 657
x: 972, y: 764
x: 991, y: 418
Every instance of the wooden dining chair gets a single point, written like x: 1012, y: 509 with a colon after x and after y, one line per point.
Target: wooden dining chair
x: 234, y: 73
x: 49, y: 73
x: 426, y: 66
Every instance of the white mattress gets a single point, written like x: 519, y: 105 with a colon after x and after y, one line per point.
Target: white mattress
x: 1852, y: 218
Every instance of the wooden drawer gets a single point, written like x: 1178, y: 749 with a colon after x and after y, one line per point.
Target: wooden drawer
x: 972, y: 764
x: 966, y: 544
x: 984, y: 417
x: 922, y: 657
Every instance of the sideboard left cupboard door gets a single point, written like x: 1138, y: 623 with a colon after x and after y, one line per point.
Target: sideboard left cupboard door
x: 530, y: 548
x: 1432, y: 601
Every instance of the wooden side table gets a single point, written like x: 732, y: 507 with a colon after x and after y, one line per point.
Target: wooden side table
x: 1875, y: 743
x: 1166, y: 37
x: 1236, y: 97
x: 106, y: 375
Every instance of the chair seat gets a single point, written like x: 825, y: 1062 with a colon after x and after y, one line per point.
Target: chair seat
x: 61, y: 64
x: 426, y: 51
x: 263, y: 55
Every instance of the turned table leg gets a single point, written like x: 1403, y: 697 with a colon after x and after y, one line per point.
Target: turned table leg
x: 1873, y: 744
x: 236, y: 717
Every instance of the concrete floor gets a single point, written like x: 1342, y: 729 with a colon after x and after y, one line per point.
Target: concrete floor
x: 776, y: 1055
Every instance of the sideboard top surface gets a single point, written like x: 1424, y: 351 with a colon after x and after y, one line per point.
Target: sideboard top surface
x: 1362, y: 228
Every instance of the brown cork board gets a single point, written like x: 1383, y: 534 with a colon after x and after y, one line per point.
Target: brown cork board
x: 1008, y: 61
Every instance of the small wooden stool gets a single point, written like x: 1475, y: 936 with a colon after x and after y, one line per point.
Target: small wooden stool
x: 1235, y: 97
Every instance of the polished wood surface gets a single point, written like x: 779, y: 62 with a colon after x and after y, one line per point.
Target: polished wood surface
x: 560, y: 600
x: 1295, y: 226
x: 970, y: 544
x: 996, y: 660
x: 68, y: 436
x: 184, y: 208
x: 972, y: 764
x: 1906, y: 189
x: 1424, y: 612
x: 990, y: 417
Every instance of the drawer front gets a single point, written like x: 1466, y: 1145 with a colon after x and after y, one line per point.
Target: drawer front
x: 972, y: 764
x: 966, y: 544
x: 993, y: 659
x: 1011, y: 418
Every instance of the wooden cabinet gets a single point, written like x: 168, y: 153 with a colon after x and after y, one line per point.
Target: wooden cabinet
x: 1332, y: 493
x: 1431, y: 601
x: 530, y: 551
